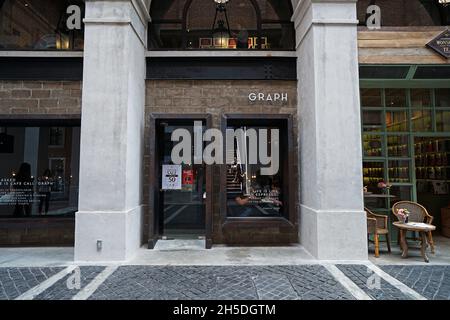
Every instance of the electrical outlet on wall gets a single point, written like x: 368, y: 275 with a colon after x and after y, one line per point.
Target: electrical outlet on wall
x: 99, y: 245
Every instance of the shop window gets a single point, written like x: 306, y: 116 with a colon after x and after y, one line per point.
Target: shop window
x: 373, y: 173
x: 398, y: 146
x: 421, y: 120
x: 420, y: 98
x: 442, y: 98
x: 397, y: 121
x: 39, y: 171
x: 399, y: 171
x: 443, y: 121
x: 407, y: 158
x: 214, y: 24
x: 395, y: 98
x: 371, y: 98
x: 373, y: 145
x: 396, y: 13
x: 56, y: 137
x: 40, y: 25
x: 402, y: 193
x: 372, y: 120
x: 251, y: 191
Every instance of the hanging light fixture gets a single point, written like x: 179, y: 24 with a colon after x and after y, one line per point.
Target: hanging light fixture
x: 220, y: 33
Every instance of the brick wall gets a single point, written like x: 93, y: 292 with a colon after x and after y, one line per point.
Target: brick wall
x: 217, y: 98
x: 40, y: 97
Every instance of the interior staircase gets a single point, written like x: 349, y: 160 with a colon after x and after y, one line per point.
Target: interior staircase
x: 234, y: 188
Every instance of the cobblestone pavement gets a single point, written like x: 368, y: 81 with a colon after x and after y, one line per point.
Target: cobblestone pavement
x: 222, y: 283
x: 62, y: 291
x: 305, y: 282
x: 432, y: 282
x: 16, y: 281
x: 364, y: 279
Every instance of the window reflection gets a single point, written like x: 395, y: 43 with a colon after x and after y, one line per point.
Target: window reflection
x: 38, y: 177
x: 205, y: 24
x: 250, y: 193
x: 38, y: 25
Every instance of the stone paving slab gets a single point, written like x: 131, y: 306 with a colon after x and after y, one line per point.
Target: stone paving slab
x: 62, y: 291
x: 274, y: 287
x: 360, y: 275
x: 221, y: 283
x: 291, y: 282
x: 318, y: 284
x: 432, y: 282
x: 16, y: 281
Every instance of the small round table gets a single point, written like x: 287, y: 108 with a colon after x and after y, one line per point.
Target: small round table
x: 422, y: 228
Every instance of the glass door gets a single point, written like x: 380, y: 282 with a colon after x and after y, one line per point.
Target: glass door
x: 182, y: 187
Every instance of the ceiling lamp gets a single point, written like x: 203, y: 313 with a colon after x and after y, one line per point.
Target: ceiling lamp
x: 220, y: 33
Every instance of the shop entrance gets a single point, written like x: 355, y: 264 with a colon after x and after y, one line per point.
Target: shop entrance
x: 181, y: 203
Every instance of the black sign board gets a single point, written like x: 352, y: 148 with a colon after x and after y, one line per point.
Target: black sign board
x: 441, y: 44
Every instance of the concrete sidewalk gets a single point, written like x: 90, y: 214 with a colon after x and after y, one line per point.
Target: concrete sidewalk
x: 192, y: 252
x: 167, y: 252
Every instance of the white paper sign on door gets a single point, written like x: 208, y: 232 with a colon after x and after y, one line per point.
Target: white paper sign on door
x: 171, y: 177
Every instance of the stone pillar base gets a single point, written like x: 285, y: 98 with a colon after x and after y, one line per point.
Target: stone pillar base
x: 120, y: 233
x: 333, y: 235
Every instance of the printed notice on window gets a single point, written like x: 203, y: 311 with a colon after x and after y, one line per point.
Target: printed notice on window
x: 171, y: 177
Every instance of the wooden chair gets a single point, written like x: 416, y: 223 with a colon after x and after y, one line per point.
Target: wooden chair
x: 378, y: 225
x: 417, y: 213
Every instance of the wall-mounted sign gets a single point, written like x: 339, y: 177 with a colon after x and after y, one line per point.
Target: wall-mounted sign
x: 268, y: 97
x: 171, y: 177
x: 441, y: 44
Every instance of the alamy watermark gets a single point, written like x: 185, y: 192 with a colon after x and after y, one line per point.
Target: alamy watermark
x: 373, y: 281
x: 74, y: 19
x: 373, y: 20
x: 252, y: 147
x: 73, y: 282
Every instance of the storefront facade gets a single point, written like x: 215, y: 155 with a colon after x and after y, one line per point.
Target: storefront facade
x: 87, y: 134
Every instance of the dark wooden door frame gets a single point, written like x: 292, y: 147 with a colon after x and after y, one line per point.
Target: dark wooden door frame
x: 289, y: 221
x: 154, y: 231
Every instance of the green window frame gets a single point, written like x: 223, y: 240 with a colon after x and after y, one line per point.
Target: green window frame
x: 382, y: 135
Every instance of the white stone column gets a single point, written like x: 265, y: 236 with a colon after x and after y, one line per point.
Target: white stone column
x: 332, y: 219
x: 112, y: 130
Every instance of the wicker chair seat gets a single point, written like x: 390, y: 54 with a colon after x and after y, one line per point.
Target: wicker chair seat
x: 382, y: 231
